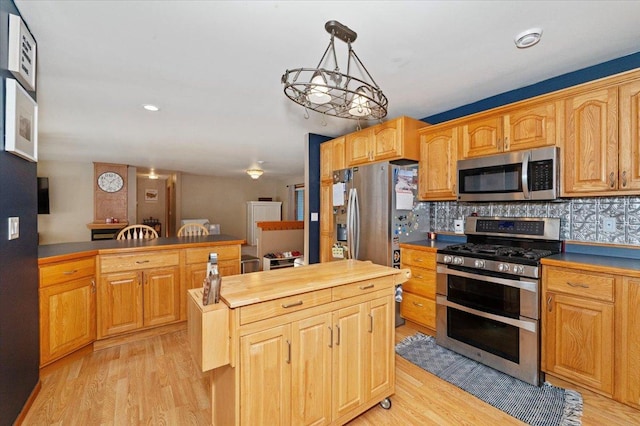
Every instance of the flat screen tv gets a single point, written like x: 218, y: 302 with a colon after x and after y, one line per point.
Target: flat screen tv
x: 43, y: 195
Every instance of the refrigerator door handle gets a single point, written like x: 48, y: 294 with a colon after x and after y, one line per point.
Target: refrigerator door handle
x: 356, y: 222
x: 350, y: 224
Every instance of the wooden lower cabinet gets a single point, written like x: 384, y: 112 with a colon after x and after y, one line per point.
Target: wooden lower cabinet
x: 629, y: 342
x: 419, y: 292
x: 67, y: 307
x: 320, y: 369
x: 67, y: 318
x: 145, y: 294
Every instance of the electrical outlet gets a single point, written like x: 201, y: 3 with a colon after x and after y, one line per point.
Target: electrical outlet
x: 14, y: 228
x: 609, y: 224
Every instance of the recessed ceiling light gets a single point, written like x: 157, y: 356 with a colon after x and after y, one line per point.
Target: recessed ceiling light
x: 528, y: 38
x: 150, y: 107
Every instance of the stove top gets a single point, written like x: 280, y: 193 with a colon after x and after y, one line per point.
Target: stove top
x: 497, y: 251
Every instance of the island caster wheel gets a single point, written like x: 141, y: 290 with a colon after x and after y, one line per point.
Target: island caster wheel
x: 386, y: 403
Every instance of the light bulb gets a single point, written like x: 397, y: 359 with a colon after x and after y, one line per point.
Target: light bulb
x: 319, y: 93
x: 360, y: 105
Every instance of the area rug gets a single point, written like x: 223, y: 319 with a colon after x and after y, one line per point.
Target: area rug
x: 547, y: 405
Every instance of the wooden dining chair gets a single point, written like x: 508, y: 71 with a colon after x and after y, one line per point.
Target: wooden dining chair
x: 192, y: 230
x: 137, y: 232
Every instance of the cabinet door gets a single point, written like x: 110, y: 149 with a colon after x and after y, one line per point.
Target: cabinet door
x: 387, y: 140
x: 578, y: 341
x: 326, y: 222
x: 196, y: 274
x: 265, y: 377
x: 630, y: 342
x: 67, y: 318
x: 311, y: 371
x: 326, y: 161
x: 348, y: 359
x: 338, y: 154
x: 161, y: 296
x: 380, y: 353
x: 629, y: 144
x: 358, y: 147
x: 482, y: 137
x: 590, y: 154
x: 437, y: 171
x: 530, y: 127
x: 119, y: 303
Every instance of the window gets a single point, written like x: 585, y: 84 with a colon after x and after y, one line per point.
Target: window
x: 299, y: 197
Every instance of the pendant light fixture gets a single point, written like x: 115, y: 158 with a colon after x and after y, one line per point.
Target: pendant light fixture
x: 325, y: 89
x: 255, y: 173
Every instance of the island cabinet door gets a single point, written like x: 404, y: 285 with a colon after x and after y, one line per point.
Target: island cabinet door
x: 161, y: 296
x: 119, y: 303
x: 348, y: 359
x: 630, y: 341
x: 380, y: 365
x: 265, y: 377
x: 311, y: 371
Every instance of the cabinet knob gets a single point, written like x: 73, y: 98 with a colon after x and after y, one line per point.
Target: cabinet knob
x: 624, y: 178
x: 93, y: 286
x: 506, y: 144
x: 549, y: 304
x: 70, y: 272
x: 612, y: 180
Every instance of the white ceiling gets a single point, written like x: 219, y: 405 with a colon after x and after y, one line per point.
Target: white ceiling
x: 214, y: 68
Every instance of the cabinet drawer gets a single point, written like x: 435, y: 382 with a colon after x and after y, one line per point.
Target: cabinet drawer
x: 419, y: 258
x: 201, y: 254
x: 579, y: 283
x: 361, y: 287
x: 422, y: 282
x: 129, y: 262
x: 419, y: 310
x: 66, y: 271
x: 285, y: 305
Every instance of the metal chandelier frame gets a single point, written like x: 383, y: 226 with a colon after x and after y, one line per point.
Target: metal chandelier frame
x: 329, y: 91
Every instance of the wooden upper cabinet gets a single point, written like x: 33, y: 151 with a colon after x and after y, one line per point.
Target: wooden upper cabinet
x: 482, y: 137
x: 590, y: 152
x: 437, y: 170
x: 391, y: 140
x: 326, y: 161
x: 524, y: 127
x: 629, y: 142
x: 530, y: 126
x: 338, y: 155
x: 358, y: 147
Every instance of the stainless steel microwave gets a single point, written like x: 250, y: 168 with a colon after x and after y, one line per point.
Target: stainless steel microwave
x: 515, y: 176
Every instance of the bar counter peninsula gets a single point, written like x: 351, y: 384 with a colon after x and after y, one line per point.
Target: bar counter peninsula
x: 306, y: 345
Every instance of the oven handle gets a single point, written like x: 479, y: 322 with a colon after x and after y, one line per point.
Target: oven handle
x: 523, y: 324
x: 523, y: 284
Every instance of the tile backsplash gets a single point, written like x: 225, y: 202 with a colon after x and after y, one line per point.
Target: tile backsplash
x: 581, y: 219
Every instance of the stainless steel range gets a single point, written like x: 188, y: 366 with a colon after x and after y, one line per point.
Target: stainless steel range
x: 488, y: 292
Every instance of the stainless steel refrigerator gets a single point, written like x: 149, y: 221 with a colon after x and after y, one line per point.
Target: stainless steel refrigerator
x: 374, y: 211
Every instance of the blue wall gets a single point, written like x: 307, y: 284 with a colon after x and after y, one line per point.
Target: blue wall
x: 314, y: 195
x: 19, y: 341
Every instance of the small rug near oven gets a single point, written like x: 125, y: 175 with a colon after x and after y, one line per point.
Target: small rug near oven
x: 540, y: 406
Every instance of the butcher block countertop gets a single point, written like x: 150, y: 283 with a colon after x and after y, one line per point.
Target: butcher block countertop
x: 247, y: 289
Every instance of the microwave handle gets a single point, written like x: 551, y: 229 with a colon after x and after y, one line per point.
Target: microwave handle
x: 525, y: 175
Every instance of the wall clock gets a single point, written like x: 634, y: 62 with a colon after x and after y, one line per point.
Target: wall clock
x: 110, y: 182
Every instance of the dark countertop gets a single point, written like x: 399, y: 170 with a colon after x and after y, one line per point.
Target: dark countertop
x: 596, y: 263
x: 64, y: 251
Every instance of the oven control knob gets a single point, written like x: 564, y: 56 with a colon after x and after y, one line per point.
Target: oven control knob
x: 519, y: 269
x: 458, y: 260
x: 503, y: 267
x: 479, y: 263
x: 447, y: 259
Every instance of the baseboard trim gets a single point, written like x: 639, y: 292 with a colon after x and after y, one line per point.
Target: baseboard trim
x: 137, y: 335
x: 27, y: 405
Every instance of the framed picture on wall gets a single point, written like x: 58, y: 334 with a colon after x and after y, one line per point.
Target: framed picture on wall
x: 21, y: 122
x: 151, y: 195
x: 22, y: 53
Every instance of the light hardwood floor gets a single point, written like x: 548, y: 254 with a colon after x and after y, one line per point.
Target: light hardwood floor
x: 154, y: 381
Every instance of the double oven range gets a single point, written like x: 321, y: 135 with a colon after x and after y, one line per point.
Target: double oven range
x: 488, y: 292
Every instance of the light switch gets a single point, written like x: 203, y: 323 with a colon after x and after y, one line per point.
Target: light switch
x: 14, y: 228
x: 314, y: 216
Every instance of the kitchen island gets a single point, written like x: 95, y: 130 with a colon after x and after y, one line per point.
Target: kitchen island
x: 307, y: 345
